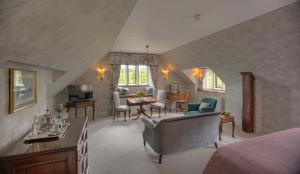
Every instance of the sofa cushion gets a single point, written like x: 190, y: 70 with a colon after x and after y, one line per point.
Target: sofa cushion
x: 154, y: 121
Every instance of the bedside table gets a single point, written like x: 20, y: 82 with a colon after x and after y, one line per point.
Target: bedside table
x: 226, y: 119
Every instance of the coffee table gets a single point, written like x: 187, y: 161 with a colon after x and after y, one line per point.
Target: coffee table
x: 140, y: 102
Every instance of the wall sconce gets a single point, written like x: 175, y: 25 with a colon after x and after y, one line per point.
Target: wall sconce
x: 165, y: 73
x: 101, y: 72
x: 198, y: 73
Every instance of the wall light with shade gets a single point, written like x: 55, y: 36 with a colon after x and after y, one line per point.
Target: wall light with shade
x: 165, y: 73
x: 198, y: 73
x: 101, y: 72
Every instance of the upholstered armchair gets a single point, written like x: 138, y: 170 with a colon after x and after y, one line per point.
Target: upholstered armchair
x: 206, y: 105
x: 160, y: 102
x: 180, y: 133
x: 118, y: 108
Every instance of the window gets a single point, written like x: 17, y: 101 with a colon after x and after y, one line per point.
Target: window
x: 212, y: 82
x: 143, y: 75
x: 131, y: 74
x: 123, y: 75
x: 134, y: 75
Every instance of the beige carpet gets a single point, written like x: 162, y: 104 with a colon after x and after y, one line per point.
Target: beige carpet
x: 116, y: 147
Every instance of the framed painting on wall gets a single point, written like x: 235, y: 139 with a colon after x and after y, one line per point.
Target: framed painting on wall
x: 22, y: 89
x: 174, y: 88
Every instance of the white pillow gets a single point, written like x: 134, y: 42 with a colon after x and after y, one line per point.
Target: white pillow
x: 204, y: 105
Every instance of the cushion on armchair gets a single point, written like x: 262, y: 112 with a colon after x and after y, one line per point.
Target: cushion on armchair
x: 149, y: 90
x: 193, y: 107
x: 204, y: 105
x: 212, y: 105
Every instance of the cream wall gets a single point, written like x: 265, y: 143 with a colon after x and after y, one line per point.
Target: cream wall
x: 102, y: 89
x: 67, y: 36
x: 61, y: 35
x: 14, y: 126
x: 267, y: 46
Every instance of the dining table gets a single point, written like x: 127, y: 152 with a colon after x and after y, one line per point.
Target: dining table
x: 141, y: 102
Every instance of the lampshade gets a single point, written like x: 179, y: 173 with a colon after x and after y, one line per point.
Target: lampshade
x: 101, y: 72
x: 86, y: 88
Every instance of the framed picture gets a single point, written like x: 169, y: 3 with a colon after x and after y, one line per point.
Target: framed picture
x: 174, y: 88
x: 22, y: 89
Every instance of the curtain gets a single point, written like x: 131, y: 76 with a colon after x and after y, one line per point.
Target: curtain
x: 115, y: 75
x: 133, y: 59
x: 115, y: 71
x: 153, y: 72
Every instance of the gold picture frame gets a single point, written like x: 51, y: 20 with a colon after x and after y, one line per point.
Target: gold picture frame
x: 22, y: 89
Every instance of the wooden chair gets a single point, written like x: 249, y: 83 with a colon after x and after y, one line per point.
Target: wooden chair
x: 118, y: 108
x: 161, y: 102
x: 182, y: 104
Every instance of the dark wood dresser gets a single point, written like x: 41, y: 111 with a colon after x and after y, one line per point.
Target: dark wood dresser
x: 65, y: 156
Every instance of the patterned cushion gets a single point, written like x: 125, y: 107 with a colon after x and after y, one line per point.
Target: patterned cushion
x: 204, y: 105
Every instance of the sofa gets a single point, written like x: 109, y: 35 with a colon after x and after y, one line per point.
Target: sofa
x: 175, y: 134
x: 205, y: 105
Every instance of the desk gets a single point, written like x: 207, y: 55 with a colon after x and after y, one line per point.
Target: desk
x: 81, y: 104
x: 133, y: 96
x: 174, y: 97
x: 226, y: 119
x: 140, y: 102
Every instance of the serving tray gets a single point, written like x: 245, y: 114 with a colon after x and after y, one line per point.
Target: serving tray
x: 46, y: 136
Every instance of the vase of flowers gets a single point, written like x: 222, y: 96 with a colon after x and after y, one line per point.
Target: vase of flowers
x: 141, y: 94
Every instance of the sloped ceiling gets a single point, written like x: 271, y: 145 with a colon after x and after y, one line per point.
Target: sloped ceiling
x: 62, y: 35
x: 268, y: 46
x: 167, y: 24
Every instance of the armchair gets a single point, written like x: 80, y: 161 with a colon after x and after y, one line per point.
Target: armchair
x: 193, y: 108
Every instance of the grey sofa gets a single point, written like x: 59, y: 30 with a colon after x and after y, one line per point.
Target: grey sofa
x: 180, y: 133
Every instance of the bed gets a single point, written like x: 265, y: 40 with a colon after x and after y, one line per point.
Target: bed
x: 276, y: 153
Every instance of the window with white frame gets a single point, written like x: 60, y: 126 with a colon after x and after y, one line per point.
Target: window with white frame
x: 134, y: 75
x: 212, y: 82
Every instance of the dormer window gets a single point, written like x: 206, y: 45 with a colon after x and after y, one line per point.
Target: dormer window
x: 212, y: 82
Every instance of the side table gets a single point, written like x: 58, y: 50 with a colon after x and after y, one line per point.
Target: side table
x: 226, y: 119
x: 82, y: 104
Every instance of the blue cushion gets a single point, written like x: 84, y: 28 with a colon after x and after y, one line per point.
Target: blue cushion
x: 149, y: 90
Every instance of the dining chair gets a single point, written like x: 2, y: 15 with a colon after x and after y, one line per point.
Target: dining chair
x: 118, y: 108
x: 160, y: 102
x: 182, y: 104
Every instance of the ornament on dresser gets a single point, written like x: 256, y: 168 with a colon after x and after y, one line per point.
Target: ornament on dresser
x: 48, y: 127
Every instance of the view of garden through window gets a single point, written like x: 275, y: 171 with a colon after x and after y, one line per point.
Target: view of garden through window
x: 212, y: 81
x: 134, y: 75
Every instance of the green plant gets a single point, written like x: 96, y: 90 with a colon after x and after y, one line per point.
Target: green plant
x: 141, y: 94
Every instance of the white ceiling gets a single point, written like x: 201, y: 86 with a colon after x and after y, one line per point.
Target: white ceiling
x: 167, y: 24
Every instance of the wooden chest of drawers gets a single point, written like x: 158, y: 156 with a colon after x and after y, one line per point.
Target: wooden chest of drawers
x: 68, y: 155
